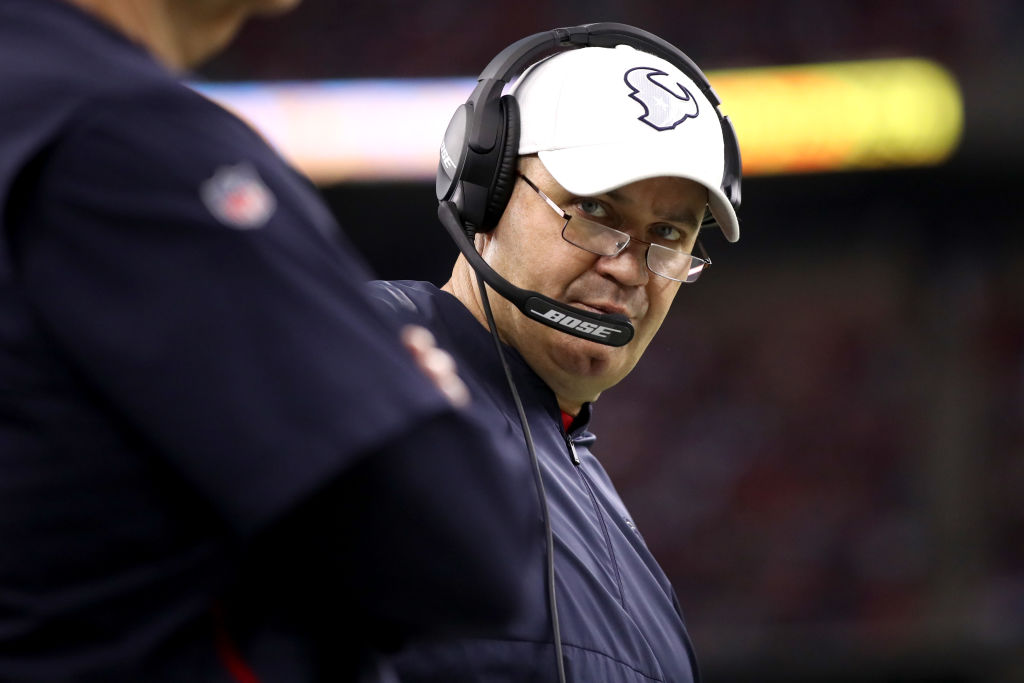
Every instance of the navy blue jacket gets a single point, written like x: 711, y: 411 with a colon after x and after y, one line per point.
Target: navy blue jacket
x: 618, y: 614
x: 215, y: 455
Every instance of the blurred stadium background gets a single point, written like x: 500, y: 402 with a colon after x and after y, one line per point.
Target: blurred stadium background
x: 825, y: 444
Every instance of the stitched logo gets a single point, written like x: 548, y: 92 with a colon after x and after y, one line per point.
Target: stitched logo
x: 665, y: 105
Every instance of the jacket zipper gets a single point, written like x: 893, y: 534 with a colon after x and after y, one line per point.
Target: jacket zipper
x: 598, y: 510
x: 613, y: 561
x: 572, y: 450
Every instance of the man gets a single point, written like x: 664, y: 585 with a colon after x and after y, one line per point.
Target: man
x: 214, y: 454
x: 604, y: 216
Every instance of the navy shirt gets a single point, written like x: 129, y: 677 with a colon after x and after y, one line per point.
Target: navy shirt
x: 618, y: 615
x: 187, y: 359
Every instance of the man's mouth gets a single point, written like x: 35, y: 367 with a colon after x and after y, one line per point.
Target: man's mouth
x: 603, y: 308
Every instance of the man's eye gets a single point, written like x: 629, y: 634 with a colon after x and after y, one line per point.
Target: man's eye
x: 591, y: 208
x: 666, y: 232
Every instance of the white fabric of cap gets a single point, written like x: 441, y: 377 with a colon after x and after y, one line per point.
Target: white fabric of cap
x: 600, y: 118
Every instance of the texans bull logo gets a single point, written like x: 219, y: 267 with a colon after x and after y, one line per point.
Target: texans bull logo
x: 665, y: 107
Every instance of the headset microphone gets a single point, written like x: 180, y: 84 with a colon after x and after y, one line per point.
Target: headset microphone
x: 611, y: 329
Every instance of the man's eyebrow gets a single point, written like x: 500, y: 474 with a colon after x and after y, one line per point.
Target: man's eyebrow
x: 684, y: 217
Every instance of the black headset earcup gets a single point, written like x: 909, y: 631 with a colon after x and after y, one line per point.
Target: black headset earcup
x: 507, y: 167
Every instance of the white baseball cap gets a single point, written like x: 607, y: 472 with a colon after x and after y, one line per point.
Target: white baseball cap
x: 600, y: 118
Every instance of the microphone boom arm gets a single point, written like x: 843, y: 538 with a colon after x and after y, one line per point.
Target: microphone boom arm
x: 610, y: 329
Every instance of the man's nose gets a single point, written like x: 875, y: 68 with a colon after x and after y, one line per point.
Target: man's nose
x: 628, y: 267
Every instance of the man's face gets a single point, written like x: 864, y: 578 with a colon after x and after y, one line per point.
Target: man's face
x: 527, y: 249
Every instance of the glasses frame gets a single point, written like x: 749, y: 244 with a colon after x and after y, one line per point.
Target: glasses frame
x: 625, y: 242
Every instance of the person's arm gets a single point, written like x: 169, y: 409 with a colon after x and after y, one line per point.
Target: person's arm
x: 436, y: 527
x: 248, y: 357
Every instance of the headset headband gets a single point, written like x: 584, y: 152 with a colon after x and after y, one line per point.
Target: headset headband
x: 482, y: 131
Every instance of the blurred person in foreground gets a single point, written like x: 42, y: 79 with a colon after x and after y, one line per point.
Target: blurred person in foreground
x: 214, y: 452
x: 586, y: 220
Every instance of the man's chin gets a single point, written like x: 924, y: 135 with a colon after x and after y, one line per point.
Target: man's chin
x: 589, y: 358
x: 270, y: 8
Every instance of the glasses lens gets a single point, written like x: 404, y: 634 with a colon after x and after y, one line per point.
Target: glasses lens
x: 675, y: 265
x: 594, y: 237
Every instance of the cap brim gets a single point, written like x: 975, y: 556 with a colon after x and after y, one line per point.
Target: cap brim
x: 596, y: 169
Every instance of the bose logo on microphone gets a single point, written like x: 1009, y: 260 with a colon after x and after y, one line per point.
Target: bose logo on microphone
x: 592, y: 329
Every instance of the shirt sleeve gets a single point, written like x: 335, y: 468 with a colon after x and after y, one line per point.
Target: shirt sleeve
x: 199, y: 284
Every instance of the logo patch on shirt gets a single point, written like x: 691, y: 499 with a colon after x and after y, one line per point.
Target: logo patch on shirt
x: 665, y: 106
x: 238, y: 197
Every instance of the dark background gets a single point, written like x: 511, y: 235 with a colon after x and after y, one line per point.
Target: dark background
x: 824, y: 446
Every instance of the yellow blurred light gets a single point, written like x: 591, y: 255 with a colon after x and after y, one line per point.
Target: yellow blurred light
x: 849, y: 115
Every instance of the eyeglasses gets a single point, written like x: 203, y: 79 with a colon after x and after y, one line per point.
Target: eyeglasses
x: 606, y: 241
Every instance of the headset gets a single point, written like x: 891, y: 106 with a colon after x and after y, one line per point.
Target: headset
x: 476, y: 173
x: 479, y: 157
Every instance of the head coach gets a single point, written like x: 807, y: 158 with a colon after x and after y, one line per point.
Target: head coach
x: 578, y: 198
